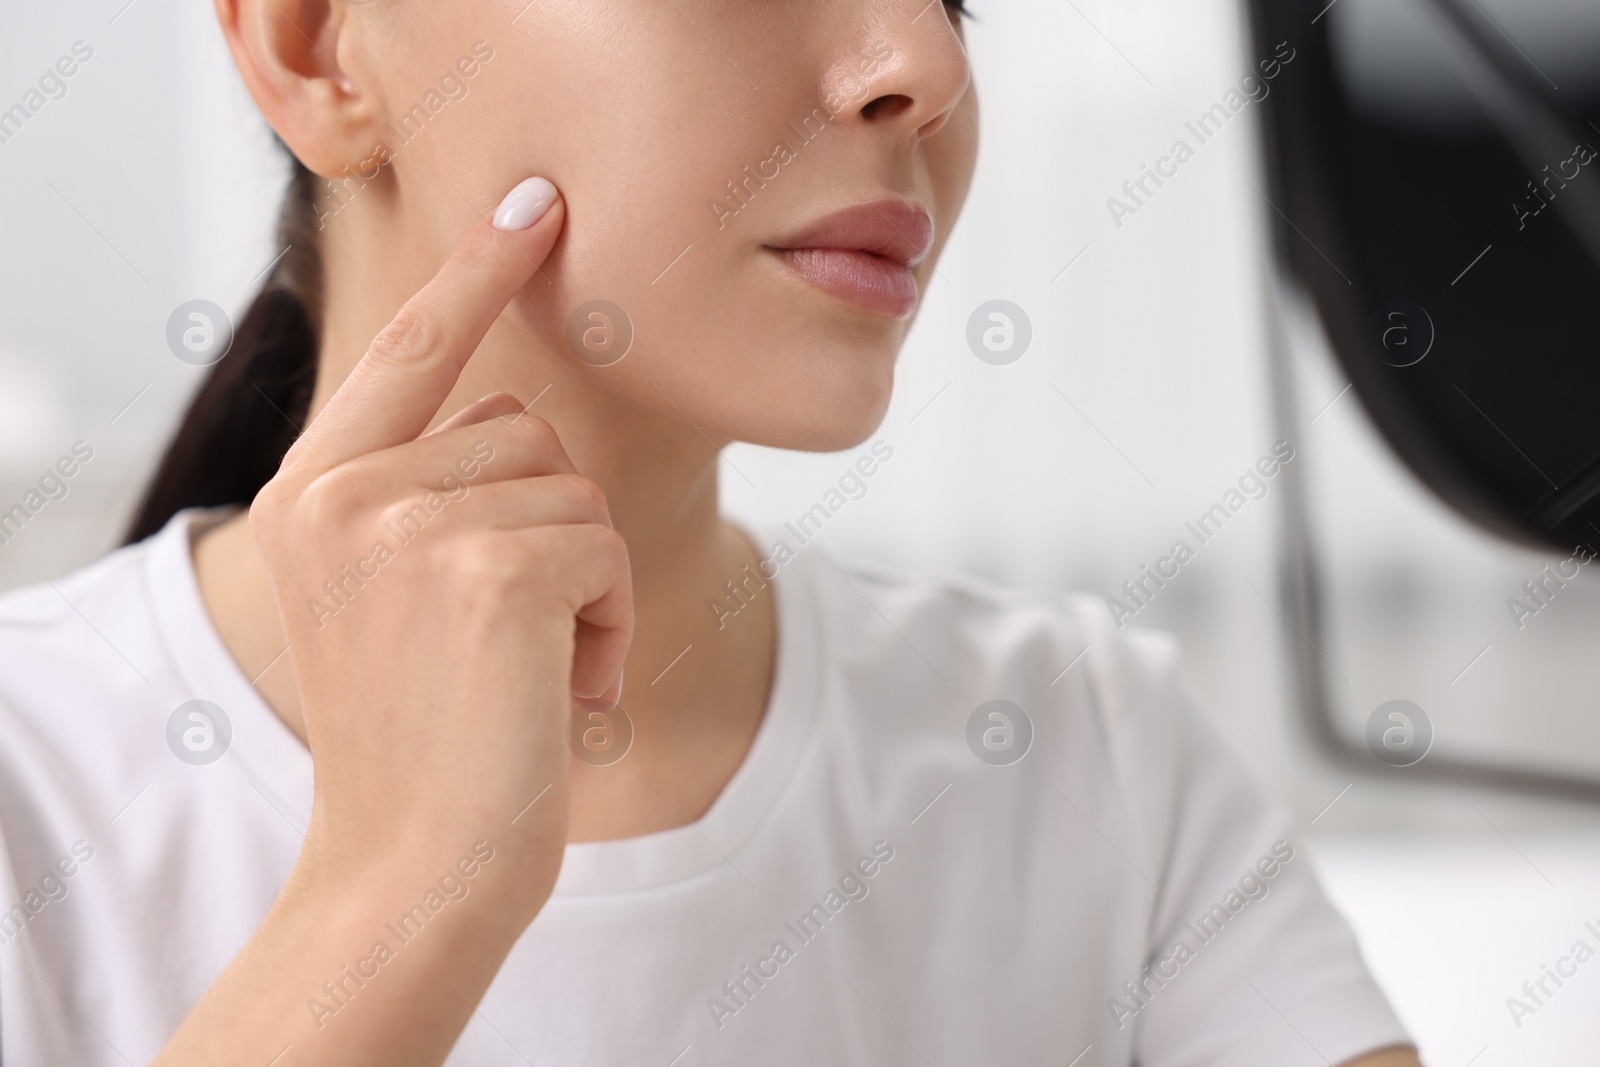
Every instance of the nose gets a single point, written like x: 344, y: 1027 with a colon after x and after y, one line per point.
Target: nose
x: 908, y: 71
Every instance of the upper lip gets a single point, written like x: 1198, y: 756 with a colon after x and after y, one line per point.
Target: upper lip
x: 894, y: 229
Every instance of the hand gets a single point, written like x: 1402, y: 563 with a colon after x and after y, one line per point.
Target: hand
x: 477, y: 587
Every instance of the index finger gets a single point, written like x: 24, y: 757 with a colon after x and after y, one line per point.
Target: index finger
x: 413, y: 363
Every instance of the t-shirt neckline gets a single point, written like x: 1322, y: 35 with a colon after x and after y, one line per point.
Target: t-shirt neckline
x: 280, y: 765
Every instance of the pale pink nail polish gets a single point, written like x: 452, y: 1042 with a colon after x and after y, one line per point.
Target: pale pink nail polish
x: 525, y: 205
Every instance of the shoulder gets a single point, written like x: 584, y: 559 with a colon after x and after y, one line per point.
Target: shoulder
x: 970, y: 631
x: 917, y: 656
x: 82, y: 624
x: 87, y: 668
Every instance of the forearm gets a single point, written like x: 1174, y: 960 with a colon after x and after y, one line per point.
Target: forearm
x: 343, y: 975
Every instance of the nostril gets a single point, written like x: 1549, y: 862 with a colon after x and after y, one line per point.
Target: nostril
x: 886, y: 107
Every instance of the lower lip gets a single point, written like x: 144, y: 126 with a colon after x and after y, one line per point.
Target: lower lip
x: 866, y: 281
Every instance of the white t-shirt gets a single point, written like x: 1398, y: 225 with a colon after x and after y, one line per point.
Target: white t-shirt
x: 883, y: 881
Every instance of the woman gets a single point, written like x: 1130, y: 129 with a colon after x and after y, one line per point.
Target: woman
x: 304, y: 782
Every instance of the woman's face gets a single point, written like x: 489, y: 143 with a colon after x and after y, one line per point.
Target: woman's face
x: 745, y: 182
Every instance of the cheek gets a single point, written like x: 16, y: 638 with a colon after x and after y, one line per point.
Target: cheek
x: 637, y: 140
x: 626, y: 108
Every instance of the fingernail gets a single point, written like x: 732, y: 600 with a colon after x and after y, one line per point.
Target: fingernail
x: 619, y: 685
x: 525, y: 205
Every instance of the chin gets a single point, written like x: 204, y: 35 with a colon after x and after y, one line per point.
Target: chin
x: 831, y: 412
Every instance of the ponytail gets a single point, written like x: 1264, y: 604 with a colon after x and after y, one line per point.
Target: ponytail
x: 255, y: 400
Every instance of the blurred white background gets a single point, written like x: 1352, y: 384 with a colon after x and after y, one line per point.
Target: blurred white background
x: 1142, y: 399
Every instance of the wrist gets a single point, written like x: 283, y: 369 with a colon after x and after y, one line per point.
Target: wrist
x: 480, y: 888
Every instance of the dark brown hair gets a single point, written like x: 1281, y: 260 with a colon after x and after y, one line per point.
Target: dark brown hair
x: 254, y: 402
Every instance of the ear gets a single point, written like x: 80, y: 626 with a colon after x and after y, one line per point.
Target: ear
x: 286, y: 51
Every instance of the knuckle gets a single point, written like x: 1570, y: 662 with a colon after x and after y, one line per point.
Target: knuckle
x: 604, y: 544
x: 537, y: 433
x: 539, y: 561
x: 468, y: 557
x: 291, y: 513
x: 486, y: 568
x: 584, y: 492
x: 324, y: 502
x: 530, y: 437
x: 411, y: 336
x: 266, y: 514
x: 268, y: 502
x: 408, y: 514
x: 617, y: 547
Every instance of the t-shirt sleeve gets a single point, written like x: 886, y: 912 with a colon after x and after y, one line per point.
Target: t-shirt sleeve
x: 1247, y: 963
x: 40, y: 1020
x: 24, y: 1030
